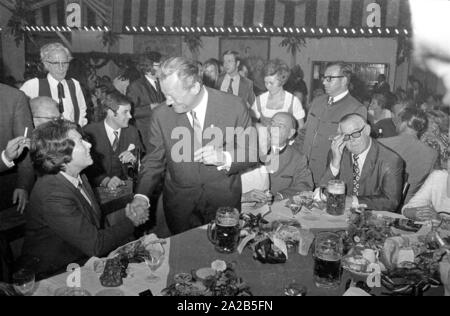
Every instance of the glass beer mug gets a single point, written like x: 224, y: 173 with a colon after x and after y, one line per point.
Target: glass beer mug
x: 336, y: 197
x: 328, y: 252
x: 224, y: 231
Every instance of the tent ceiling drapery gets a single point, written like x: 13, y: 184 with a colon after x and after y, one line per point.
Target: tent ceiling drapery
x: 124, y: 15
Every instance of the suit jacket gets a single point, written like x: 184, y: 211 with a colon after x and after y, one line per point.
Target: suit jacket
x: 142, y: 95
x: 419, y: 158
x: 292, y: 175
x: 323, y: 121
x: 103, y: 154
x: 14, y: 118
x: 192, y: 191
x: 384, y: 129
x: 63, y: 228
x: 246, y: 91
x: 382, y: 177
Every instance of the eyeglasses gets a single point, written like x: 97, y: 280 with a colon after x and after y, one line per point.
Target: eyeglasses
x: 58, y: 63
x: 354, y: 135
x: 329, y: 78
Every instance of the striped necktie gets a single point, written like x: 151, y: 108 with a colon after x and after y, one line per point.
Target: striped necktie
x: 115, y: 144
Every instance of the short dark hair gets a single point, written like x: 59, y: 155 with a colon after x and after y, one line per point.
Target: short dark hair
x: 345, y: 69
x: 416, y: 120
x: 51, y: 147
x: 381, y: 100
x: 114, y: 100
x: 232, y: 52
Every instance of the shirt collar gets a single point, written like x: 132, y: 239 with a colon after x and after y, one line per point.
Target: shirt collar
x: 52, y: 80
x: 110, y: 130
x: 339, y: 97
x: 200, y: 109
x: 362, y: 156
x: 75, y: 181
x: 235, y: 78
x: 151, y: 80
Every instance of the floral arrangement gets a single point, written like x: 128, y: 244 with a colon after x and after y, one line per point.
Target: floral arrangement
x: 219, y: 280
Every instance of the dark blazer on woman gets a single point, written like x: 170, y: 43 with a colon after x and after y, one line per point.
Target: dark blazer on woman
x: 63, y: 228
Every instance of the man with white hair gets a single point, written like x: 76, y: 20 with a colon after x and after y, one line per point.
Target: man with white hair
x: 66, y: 92
x: 43, y: 110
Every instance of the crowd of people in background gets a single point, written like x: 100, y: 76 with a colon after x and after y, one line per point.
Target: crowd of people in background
x: 338, y: 131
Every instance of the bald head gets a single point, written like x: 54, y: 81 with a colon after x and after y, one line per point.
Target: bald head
x: 44, y: 109
x: 283, y: 128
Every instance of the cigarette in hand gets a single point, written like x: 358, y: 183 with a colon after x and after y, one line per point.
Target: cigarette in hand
x: 26, y: 132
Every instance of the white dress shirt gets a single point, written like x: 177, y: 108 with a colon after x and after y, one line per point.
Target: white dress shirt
x: 152, y: 82
x: 110, y: 132
x: 361, y: 160
x: 433, y: 192
x: 76, y: 182
x: 31, y: 89
x: 235, y: 85
x: 339, y: 97
x: 200, y: 112
x: 7, y: 163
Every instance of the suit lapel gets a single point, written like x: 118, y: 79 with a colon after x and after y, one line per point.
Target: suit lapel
x: 347, y: 170
x: 88, y: 211
x: 151, y: 91
x: 370, y: 162
x: 242, y: 88
x: 92, y: 197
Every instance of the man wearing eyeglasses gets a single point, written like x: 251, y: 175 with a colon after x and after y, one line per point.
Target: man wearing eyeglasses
x: 43, y: 110
x: 325, y: 113
x: 66, y: 92
x: 372, y: 173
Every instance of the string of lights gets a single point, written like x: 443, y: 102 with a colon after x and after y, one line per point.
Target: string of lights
x: 236, y: 30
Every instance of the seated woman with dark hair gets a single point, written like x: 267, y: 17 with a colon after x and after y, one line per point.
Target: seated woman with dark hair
x: 64, y: 221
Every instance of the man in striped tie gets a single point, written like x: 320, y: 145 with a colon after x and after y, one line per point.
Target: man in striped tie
x: 372, y: 173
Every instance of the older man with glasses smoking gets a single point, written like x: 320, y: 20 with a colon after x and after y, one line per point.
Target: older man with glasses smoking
x: 66, y: 92
x: 372, y: 173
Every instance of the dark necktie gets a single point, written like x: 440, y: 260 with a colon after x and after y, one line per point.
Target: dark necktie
x: 230, y: 87
x: 158, y: 87
x: 198, y: 132
x: 84, y: 193
x: 61, y: 96
x: 115, y: 144
x: 356, y: 175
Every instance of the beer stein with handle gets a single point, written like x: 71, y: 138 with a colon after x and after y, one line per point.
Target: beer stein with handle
x: 224, y: 231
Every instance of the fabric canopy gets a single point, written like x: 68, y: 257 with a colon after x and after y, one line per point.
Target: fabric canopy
x: 283, y: 13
